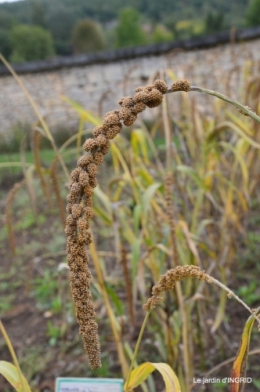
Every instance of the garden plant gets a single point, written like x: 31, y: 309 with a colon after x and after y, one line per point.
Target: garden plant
x: 172, y: 214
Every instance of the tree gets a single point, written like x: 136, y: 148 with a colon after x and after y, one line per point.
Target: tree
x: 129, y: 31
x: 214, y: 22
x: 253, y: 13
x: 87, y: 37
x: 161, y: 34
x: 38, y: 14
x: 5, y: 44
x: 30, y: 43
x: 61, y: 22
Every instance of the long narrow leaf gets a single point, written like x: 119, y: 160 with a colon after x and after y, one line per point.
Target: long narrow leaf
x: 10, y: 372
x: 141, y: 373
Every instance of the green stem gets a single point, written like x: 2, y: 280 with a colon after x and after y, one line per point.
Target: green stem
x: 137, y: 347
x: 245, y: 109
x: 14, y: 357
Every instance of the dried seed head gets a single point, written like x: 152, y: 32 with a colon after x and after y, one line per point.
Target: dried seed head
x: 167, y: 282
x: 93, y: 182
x: 89, y: 212
x: 141, y: 96
x: 70, y: 230
x: 113, y: 131
x: 88, y: 191
x: 75, y: 188
x: 124, y: 113
x: 161, y: 85
x: 130, y: 120
x: 71, y: 198
x: 97, y: 131
x: 75, y: 174
x: 92, y: 169
x: 68, y: 207
x: 139, y: 107
x: 138, y: 89
x: 127, y: 102
x: 104, y: 149
x: 127, y: 116
x: 70, y: 220
x: 76, y: 211
x: 98, y: 158
x: 154, y: 99
x: 84, y: 178
x: 181, y: 85
x: 82, y: 224
x: 101, y: 140
x: 89, y: 144
x: 89, y: 202
x: 111, y: 118
x: 84, y: 160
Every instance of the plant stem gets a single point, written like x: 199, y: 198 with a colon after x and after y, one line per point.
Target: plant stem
x: 231, y: 294
x: 13, y: 355
x: 137, y: 347
x: 244, y: 109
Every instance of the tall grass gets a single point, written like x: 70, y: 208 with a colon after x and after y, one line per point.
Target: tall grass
x: 177, y: 203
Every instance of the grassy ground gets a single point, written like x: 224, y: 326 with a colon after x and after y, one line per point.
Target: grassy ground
x: 38, y: 313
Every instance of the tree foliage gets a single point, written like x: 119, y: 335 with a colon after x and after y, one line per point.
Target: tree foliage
x: 183, y: 18
x: 87, y: 37
x: 30, y: 43
x: 214, y: 22
x: 129, y: 31
x: 253, y: 13
x: 38, y: 16
x: 161, y: 34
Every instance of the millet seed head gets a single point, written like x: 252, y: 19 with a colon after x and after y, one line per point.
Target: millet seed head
x: 139, y: 107
x: 89, y: 212
x: 98, y: 158
x: 181, y: 85
x: 104, y: 149
x: 127, y: 102
x: 84, y: 178
x: 84, y: 160
x: 76, y: 211
x: 89, y: 144
x: 97, y: 131
x: 93, y: 182
x: 74, y: 175
x: 92, y: 170
x: 101, y: 140
x: 154, y: 99
x: 161, y: 85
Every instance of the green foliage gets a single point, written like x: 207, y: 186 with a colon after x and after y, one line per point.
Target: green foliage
x: 129, y: 30
x: 30, y: 43
x: 38, y: 15
x: 161, y: 34
x: 214, y: 22
x: 253, y: 13
x: 60, y: 18
x: 61, y: 23
x: 87, y: 37
x: 5, y: 43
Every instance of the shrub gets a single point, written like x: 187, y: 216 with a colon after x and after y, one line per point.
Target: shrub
x: 30, y: 43
x: 87, y: 37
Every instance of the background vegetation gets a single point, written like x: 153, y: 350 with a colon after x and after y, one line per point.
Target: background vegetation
x: 213, y: 162
x: 117, y: 23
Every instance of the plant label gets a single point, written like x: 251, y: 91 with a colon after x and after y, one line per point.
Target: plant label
x: 67, y: 384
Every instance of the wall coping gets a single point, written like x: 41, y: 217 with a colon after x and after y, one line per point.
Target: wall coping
x: 135, y: 52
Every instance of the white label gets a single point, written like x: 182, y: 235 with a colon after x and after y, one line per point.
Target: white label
x: 66, y: 384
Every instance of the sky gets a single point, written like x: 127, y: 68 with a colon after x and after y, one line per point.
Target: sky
x: 7, y: 1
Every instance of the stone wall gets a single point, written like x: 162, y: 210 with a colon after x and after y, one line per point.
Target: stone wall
x: 98, y: 81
